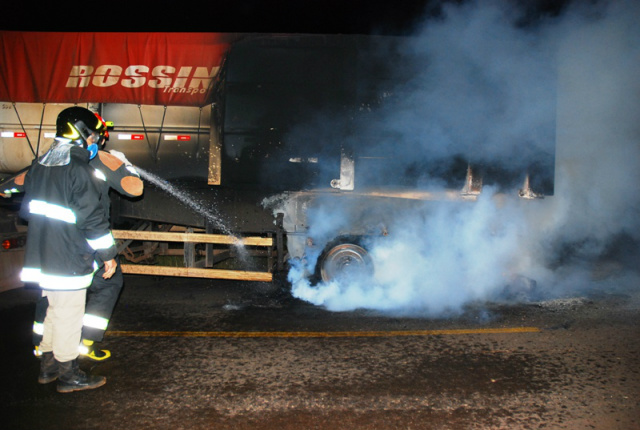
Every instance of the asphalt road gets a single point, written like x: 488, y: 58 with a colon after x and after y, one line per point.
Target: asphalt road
x: 199, y: 354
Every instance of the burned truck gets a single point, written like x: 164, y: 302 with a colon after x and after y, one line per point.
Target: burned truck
x: 237, y: 152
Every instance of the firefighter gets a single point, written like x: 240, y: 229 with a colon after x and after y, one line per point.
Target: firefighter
x: 68, y: 229
x: 111, y: 171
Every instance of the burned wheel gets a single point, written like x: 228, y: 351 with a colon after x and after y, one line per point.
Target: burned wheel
x: 344, y: 260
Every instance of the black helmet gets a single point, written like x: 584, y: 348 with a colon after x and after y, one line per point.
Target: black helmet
x: 77, y: 124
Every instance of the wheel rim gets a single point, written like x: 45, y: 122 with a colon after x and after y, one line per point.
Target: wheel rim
x: 345, y: 260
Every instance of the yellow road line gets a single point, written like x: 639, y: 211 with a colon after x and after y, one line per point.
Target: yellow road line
x: 287, y: 334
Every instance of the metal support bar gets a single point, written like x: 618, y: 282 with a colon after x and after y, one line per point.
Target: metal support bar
x: 280, y: 240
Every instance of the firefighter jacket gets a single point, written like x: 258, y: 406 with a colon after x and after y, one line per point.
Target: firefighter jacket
x: 68, y: 227
x: 113, y: 173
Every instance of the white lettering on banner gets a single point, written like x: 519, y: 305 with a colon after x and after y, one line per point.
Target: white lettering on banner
x: 183, y: 74
x: 137, y: 79
x: 79, y: 76
x: 106, y: 76
x: 162, y: 79
x: 201, y: 78
x: 188, y: 80
x: 189, y: 91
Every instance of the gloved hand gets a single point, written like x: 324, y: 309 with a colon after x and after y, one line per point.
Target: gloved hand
x: 120, y: 156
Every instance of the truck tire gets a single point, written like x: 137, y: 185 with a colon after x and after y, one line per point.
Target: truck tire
x: 343, y: 257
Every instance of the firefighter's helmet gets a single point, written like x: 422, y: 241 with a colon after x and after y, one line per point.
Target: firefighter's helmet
x: 78, y: 124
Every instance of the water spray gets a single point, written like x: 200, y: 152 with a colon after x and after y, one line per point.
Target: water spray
x: 198, y: 207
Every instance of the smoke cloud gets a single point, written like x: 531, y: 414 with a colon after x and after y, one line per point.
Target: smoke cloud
x: 485, y: 93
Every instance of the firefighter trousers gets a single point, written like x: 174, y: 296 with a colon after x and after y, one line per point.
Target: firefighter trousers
x: 102, y: 296
x: 62, y: 325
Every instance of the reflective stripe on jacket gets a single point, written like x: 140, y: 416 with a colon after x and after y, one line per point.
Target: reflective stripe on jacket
x: 55, y: 282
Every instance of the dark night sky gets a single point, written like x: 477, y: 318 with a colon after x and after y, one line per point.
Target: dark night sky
x: 278, y: 16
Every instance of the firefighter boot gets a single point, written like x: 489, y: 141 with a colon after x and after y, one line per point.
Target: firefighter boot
x: 48, y: 368
x: 88, y: 350
x: 71, y: 378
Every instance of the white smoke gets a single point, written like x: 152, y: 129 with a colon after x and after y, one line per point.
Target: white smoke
x: 438, y: 258
x: 599, y: 141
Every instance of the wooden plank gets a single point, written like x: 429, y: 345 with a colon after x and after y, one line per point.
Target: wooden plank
x: 158, y: 236
x: 193, y: 272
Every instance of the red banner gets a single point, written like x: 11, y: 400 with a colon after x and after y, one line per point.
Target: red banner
x: 170, y: 69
